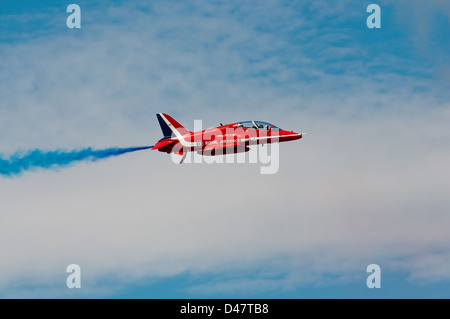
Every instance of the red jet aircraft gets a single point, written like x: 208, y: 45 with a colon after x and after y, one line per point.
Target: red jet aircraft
x: 224, y: 139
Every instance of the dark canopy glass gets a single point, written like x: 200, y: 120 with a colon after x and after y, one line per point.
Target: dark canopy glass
x: 259, y: 125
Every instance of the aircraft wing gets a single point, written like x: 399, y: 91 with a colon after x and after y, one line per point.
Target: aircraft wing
x: 164, y: 144
x: 225, y: 148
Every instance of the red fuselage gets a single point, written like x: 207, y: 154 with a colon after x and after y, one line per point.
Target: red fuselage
x: 225, y: 139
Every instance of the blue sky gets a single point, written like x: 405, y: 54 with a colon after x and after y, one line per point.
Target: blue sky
x: 370, y: 185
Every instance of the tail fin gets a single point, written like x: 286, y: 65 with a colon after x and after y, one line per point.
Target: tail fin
x: 169, y: 126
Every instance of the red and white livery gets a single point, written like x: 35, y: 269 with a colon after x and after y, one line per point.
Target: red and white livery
x: 224, y: 139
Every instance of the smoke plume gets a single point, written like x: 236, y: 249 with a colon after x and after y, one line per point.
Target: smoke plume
x: 21, y: 162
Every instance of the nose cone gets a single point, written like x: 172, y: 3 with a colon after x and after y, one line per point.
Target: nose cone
x: 289, y: 136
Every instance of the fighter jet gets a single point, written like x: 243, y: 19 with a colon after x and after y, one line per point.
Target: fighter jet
x: 221, y: 140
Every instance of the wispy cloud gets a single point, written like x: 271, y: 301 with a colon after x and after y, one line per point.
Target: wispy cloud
x: 370, y: 184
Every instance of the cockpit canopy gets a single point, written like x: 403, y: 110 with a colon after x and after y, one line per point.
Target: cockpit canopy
x: 258, y: 125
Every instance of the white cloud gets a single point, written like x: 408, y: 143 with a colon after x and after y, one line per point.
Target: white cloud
x: 369, y: 184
